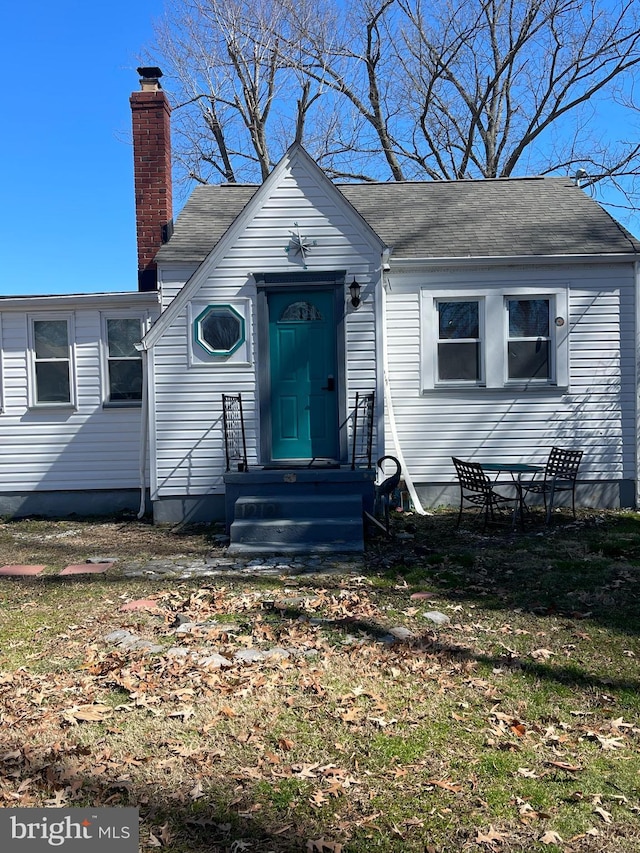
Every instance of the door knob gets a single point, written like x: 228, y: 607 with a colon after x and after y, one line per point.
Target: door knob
x: 331, y: 384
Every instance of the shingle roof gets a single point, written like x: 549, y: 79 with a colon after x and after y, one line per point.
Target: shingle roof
x: 448, y: 219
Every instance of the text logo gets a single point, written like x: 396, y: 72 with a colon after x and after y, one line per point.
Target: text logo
x: 35, y: 830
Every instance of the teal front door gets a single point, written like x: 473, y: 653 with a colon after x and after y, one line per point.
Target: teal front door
x: 303, y: 368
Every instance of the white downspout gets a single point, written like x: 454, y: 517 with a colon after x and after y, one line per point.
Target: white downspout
x: 389, y: 407
x: 144, y: 431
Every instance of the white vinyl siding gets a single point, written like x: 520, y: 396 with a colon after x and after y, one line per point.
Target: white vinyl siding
x: 49, y: 448
x: 593, y: 409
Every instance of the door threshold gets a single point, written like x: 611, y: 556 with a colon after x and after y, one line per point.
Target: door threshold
x: 298, y: 463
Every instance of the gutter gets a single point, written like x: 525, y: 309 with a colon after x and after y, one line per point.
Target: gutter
x: 511, y: 260
x: 79, y: 301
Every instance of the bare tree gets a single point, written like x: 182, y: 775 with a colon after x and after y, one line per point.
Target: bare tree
x: 231, y: 87
x: 352, y: 61
x: 398, y: 89
x: 502, y: 86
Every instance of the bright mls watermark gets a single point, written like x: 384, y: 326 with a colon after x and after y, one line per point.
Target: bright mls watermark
x: 35, y: 830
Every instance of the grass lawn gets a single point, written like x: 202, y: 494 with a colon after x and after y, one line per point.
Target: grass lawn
x: 367, y: 726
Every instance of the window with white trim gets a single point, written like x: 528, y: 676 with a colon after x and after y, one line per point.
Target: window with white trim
x: 219, y: 333
x: 123, y: 360
x: 494, y: 337
x: 528, y: 338
x: 460, y: 330
x: 51, y: 358
x: 219, y: 330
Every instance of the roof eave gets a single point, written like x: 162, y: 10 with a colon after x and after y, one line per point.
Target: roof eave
x: 511, y: 260
x: 122, y: 299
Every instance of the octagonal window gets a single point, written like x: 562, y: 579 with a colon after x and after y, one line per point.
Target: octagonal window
x: 219, y: 329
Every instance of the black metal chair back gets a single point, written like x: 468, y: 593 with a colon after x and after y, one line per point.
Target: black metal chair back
x: 563, y: 464
x: 471, y: 476
x: 478, y: 490
x: 560, y: 475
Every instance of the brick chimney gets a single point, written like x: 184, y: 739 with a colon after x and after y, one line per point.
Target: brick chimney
x: 152, y: 172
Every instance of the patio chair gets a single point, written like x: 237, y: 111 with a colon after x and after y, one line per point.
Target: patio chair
x: 560, y: 475
x: 476, y: 489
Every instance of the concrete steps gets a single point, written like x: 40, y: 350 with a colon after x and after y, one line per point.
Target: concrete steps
x: 304, y: 524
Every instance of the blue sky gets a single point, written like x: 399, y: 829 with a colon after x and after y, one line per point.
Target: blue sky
x: 67, y: 221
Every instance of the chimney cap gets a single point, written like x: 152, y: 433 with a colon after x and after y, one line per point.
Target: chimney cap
x: 149, y: 73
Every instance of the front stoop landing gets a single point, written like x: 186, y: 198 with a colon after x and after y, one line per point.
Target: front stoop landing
x: 300, y: 510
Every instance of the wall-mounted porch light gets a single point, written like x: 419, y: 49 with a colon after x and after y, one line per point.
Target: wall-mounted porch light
x: 354, y: 291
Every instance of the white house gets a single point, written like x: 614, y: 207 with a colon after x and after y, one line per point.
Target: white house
x: 495, y: 319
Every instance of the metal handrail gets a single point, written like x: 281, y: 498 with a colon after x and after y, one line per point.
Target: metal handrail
x: 235, y: 442
x: 363, y: 412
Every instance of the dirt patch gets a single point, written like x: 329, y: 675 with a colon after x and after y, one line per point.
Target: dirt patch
x: 58, y: 543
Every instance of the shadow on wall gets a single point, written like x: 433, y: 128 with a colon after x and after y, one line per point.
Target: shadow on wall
x: 74, y: 463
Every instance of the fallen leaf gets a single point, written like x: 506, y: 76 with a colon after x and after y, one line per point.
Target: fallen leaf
x: 165, y: 835
x: 528, y: 774
x: 491, y: 838
x: 606, y: 816
x: 563, y: 765
x: 185, y: 713
x: 448, y: 786
x: 228, y: 712
x: 321, y: 845
x: 11, y: 756
x: 307, y: 771
x: 196, y: 792
x: 93, y: 713
x: 350, y: 716
x: 541, y: 654
x: 317, y: 799
x: 610, y: 742
x: 620, y: 724
x: 551, y: 837
x: 620, y: 798
x: 381, y: 722
x: 58, y: 798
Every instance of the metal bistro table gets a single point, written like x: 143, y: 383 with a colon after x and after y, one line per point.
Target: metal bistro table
x: 516, y: 469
